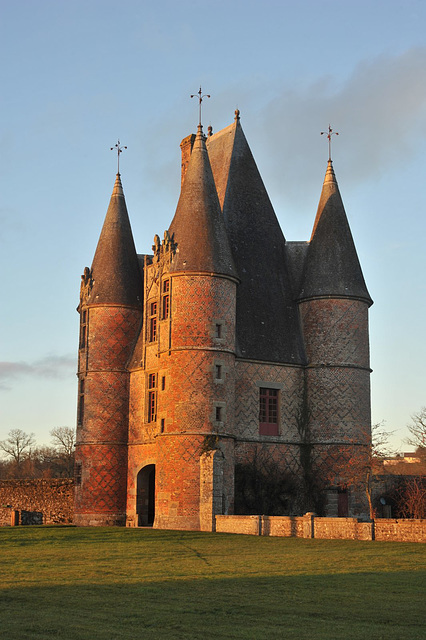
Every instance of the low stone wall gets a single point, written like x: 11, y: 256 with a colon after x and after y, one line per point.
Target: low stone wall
x: 400, y: 530
x: 250, y: 525
x: 309, y: 526
x: 53, y: 497
x: 343, y: 529
x: 285, y: 526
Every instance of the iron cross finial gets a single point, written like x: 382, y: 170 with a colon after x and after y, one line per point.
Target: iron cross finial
x: 329, y: 133
x: 200, y: 100
x: 119, y: 150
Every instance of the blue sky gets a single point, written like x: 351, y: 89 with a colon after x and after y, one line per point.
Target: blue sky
x: 75, y: 76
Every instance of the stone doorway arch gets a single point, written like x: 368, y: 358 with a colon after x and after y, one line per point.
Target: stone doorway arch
x: 145, y: 496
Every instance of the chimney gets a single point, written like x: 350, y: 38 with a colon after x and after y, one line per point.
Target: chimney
x: 186, y: 146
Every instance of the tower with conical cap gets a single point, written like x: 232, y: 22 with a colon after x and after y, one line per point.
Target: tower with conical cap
x: 334, y: 304
x: 186, y: 364
x: 210, y: 366
x: 110, y: 315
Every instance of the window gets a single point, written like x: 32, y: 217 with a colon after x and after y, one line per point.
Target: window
x: 218, y: 414
x: 268, y: 412
x: 152, y: 397
x: 163, y: 383
x: 165, y: 308
x: 153, y: 322
x: 218, y: 331
x: 78, y: 468
x: 218, y: 371
x: 83, y: 329
x: 163, y: 423
x: 80, y: 410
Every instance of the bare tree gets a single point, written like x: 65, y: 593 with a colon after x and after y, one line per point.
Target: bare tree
x: 417, y: 430
x: 18, y: 446
x: 64, y: 440
x: 357, y: 463
x: 411, y: 498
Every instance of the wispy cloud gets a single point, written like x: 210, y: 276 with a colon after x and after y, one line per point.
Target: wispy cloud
x: 379, y: 111
x: 49, y: 367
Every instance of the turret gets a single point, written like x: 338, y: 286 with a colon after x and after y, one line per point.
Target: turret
x: 110, y: 315
x: 188, y: 360
x: 334, y: 304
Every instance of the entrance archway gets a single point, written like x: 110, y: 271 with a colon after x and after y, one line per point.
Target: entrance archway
x: 145, y: 496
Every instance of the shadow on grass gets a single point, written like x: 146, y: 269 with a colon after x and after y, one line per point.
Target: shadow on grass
x: 327, y: 607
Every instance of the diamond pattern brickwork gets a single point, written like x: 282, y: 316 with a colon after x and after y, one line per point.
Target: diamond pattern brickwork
x: 111, y: 335
x: 249, y: 377
x: 198, y: 303
x: 339, y: 403
x: 336, y: 332
x: 104, y: 478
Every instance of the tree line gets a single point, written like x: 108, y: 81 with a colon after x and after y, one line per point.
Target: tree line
x: 22, y: 458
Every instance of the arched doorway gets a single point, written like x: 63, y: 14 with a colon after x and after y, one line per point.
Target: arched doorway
x: 145, y: 496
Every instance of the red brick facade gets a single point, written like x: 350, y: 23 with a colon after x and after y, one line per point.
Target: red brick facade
x: 169, y: 403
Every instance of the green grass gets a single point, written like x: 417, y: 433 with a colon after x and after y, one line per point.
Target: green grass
x: 119, y: 584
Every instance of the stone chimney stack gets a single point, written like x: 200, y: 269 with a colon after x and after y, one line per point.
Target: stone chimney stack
x: 186, y: 146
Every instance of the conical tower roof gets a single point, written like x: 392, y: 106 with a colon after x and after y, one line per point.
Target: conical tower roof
x: 267, y: 316
x: 116, y: 272
x: 332, y: 265
x: 197, y: 228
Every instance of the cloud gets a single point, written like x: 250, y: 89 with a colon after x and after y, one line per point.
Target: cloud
x: 379, y: 112
x: 49, y: 367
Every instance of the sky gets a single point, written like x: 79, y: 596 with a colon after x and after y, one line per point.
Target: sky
x: 77, y: 76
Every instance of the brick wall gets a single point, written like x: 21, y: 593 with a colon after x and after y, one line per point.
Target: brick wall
x: 101, y: 450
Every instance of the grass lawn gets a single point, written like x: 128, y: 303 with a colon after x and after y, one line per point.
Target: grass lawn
x: 119, y: 584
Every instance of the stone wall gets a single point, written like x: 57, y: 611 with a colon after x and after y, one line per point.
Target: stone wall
x: 400, y: 530
x: 54, y: 498
x: 309, y: 526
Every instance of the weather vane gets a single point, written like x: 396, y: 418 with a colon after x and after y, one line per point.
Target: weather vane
x: 119, y: 150
x: 200, y: 99
x: 329, y: 133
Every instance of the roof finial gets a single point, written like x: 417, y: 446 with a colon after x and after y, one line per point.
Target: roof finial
x: 329, y: 133
x: 200, y: 99
x: 237, y: 115
x: 119, y: 150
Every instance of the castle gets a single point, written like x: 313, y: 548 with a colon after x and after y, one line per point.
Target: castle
x: 227, y: 352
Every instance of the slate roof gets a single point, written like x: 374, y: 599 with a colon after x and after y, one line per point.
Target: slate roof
x: 332, y: 267
x: 198, y: 228
x: 116, y: 270
x: 267, y: 316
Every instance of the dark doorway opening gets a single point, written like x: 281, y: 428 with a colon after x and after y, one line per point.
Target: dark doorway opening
x: 145, y: 496
x: 342, y: 503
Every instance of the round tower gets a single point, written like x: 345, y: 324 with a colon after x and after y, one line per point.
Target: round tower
x: 194, y: 479
x: 334, y: 306
x: 110, y: 316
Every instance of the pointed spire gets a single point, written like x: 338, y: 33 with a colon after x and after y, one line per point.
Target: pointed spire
x: 267, y: 316
x: 197, y: 227
x: 115, y: 269
x: 332, y: 265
